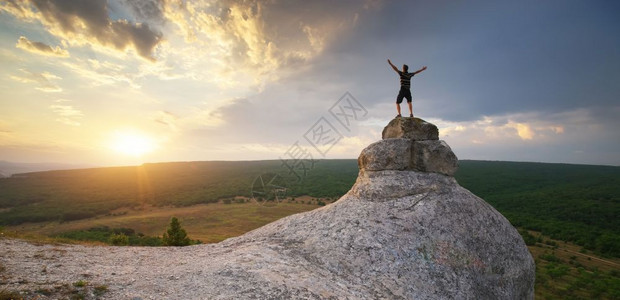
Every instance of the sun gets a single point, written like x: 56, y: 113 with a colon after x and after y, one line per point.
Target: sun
x: 132, y: 142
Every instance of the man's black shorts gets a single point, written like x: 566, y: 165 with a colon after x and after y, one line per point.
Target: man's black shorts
x: 403, y: 93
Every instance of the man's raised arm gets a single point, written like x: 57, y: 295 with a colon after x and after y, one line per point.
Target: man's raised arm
x: 420, y: 70
x: 393, y: 66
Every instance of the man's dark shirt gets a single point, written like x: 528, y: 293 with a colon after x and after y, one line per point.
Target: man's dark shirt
x: 405, y: 79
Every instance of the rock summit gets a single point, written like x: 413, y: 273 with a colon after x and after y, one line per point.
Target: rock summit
x: 409, y: 144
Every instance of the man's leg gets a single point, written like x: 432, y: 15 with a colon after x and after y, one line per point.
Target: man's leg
x: 399, y: 99
x: 409, y: 100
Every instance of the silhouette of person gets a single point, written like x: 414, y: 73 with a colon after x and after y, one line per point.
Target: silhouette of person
x: 405, y: 86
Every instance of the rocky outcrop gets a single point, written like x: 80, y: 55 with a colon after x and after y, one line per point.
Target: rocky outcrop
x: 405, y: 230
x: 409, y: 144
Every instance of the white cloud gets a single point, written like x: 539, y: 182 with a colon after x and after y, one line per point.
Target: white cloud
x: 43, y: 80
x: 524, y: 130
x: 98, y: 72
x: 557, y: 137
x: 67, y: 114
x: 514, y: 127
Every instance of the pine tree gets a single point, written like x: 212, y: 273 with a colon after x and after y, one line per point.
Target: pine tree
x: 175, y: 235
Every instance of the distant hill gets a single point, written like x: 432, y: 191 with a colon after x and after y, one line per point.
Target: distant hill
x: 578, y: 203
x: 9, y: 168
x: 77, y: 194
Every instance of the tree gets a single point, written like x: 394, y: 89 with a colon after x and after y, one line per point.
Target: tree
x: 175, y: 235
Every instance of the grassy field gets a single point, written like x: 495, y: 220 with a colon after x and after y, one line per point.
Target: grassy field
x: 209, y: 223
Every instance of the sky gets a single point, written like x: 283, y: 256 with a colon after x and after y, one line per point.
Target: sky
x: 121, y: 82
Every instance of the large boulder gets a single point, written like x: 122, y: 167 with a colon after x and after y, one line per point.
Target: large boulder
x: 399, y: 233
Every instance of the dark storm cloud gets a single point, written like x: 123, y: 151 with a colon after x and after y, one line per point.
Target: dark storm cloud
x: 489, y: 58
x: 146, y: 10
x: 537, y: 65
x: 82, y: 22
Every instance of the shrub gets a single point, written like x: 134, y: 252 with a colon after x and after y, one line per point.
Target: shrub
x: 100, y: 290
x: 119, y: 240
x: 549, y: 257
x: 529, y: 239
x: 80, y: 283
x: 125, y: 231
x: 555, y: 270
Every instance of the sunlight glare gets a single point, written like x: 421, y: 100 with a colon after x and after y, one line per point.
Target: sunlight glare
x: 132, y: 143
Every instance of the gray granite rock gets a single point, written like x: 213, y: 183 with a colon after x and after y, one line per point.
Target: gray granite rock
x: 434, y: 156
x: 405, y: 154
x: 395, y: 235
x: 410, y: 128
x: 390, y: 154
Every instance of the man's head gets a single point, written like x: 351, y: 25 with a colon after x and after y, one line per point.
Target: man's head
x: 405, y: 68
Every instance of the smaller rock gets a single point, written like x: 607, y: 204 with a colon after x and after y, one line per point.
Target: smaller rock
x: 410, y: 128
x: 434, y: 156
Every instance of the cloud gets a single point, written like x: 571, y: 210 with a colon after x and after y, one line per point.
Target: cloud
x: 101, y: 72
x: 87, y: 23
x: 245, y: 40
x: 146, y: 10
x: 581, y: 135
x: 524, y: 130
x: 67, y: 114
x: 230, y: 44
x: 515, y: 128
x: 166, y: 118
x: 40, y: 48
x: 44, y: 80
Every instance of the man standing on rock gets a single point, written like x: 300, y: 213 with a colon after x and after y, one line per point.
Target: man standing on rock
x: 405, y: 85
